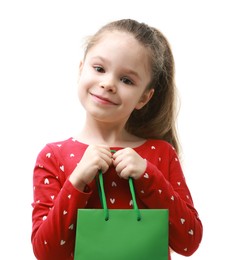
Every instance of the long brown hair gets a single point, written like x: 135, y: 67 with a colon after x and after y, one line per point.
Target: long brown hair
x: 157, y: 119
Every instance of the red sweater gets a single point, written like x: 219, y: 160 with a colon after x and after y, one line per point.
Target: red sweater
x: 56, y: 200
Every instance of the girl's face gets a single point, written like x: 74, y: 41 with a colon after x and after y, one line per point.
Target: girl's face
x: 113, y: 78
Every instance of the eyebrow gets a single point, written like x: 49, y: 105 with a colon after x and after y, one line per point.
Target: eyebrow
x: 99, y: 57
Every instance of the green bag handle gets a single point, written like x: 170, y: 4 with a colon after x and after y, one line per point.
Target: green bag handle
x: 103, y: 196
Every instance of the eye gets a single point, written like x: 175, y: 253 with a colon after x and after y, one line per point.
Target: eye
x: 126, y: 81
x: 99, y: 69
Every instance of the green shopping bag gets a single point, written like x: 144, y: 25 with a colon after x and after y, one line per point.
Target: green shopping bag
x: 121, y: 234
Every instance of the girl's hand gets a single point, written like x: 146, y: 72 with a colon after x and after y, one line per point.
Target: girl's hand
x: 128, y: 163
x: 95, y: 158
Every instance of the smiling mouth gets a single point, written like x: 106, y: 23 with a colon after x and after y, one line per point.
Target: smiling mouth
x: 102, y: 100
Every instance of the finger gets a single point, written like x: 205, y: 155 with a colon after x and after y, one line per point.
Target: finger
x: 124, y: 174
x: 117, y: 159
x: 104, y: 167
x: 122, y: 169
x: 106, y: 150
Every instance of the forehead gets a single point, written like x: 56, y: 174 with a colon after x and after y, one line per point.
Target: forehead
x: 117, y: 39
x: 121, y: 46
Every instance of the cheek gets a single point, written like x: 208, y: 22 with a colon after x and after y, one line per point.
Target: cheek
x: 133, y: 98
x: 130, y: 102
x: 79, y: 91
x: 83, y: 83
x: 82, y: 89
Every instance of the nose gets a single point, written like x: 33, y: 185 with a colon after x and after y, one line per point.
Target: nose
x: 108, y: 84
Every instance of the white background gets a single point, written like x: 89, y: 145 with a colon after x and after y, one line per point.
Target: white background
x: 40, y: 48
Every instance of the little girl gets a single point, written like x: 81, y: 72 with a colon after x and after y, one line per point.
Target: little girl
x: 126, y: 85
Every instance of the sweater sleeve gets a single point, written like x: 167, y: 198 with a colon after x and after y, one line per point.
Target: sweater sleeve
x: 170, y: 191
x: 54, y: 209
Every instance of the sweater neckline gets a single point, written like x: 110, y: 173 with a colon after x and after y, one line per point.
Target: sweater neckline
x: 138, y: 147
